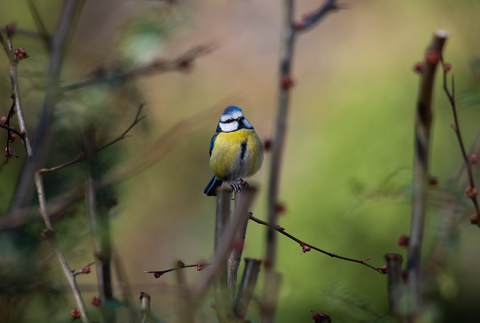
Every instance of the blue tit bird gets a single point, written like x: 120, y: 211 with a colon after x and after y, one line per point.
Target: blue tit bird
x: 236, y: 151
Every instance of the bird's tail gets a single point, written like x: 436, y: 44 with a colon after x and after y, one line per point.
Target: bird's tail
x: 212, y: 186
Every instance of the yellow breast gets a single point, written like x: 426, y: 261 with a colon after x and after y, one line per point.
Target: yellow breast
x: 236, y: 154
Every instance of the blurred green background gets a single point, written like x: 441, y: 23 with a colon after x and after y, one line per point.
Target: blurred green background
x: 347, y: 164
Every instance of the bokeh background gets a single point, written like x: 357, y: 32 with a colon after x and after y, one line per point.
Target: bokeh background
x: 348, y: 159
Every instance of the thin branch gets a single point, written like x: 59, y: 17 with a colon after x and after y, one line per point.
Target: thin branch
x: 307, y: 247
x: 471, y: 191
x: 247, y: 286
x: 144, y: 306
x: 182, y: 63
x: 310, y: 20
x: 180, y: 265
x: 278, y: 145
x: 8, y: 47
x: 50, y: 235
x: 84, y: 270
x: 42, y: 30
x: 421, y: 176
x: 12, y: 129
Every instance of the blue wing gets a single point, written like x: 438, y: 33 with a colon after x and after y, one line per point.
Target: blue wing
x: 212, y: 142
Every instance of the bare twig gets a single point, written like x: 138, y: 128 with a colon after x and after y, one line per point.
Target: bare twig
x: 12, y: 129
x: 471, y: 191
x: 182, y: 63
x: 8, y: 47
x: 423, y: 120
x: 50, y: 235
x: 307, y: 247
x: 68, y: 18
x: 42, y: 30
x: 290, y: 30
x: 180, y: 265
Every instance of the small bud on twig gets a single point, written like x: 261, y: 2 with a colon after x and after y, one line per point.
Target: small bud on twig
x: 432, y: 56
x: 471, y: 192
x: 447, y: 67
x: 3, y: 119
x: 418, y: 67
x: 474, y: 219
x: 473, y: 159
x: 287, y: 82
x: 75, y: 314
x: 306, y: 248
x: 403, y: 240
x: 96, y: 301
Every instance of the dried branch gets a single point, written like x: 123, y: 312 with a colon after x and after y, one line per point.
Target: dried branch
x: 50, y: 235
x: 471, y: 191
x: 307, y: 247
x: 182, y: 63
x: 421, y: 179
x: 42, y: 30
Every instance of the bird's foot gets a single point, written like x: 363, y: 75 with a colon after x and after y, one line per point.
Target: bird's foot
x: 237, y: 187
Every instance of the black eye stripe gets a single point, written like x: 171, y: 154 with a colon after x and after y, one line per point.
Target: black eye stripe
x: 232, y: 120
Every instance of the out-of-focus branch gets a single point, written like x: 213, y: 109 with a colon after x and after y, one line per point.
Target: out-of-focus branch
x: 395, y: 285
x: 182, y: 63
x: 49, y: 234
x: 144, y: 306
x: 421, y: 179
x: 290, y: 29
x: 245, y: 292
x: 97, y: 209
x: 471, y: 190
x: 42, y: 30
x: 307, y: 247
x: 68, y: 18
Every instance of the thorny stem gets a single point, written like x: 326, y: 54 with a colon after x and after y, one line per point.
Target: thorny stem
x: 306, y: 246
x: 456, y: 129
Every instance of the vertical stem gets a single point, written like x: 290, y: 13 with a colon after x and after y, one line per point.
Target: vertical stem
x: 61, y: 257
x: 222, y: 295
x: 245, y: 292
x: 144, y: 306
x: 278, y: 143
x: 423, y: 121
x: 98, y: 214
x: 395, y: 285
x: 236, y: 255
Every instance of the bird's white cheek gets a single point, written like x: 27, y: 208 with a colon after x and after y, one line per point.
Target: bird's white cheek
x: 228, y: 127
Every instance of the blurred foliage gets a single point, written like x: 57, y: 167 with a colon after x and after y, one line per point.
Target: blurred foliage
x: 347, y: 167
